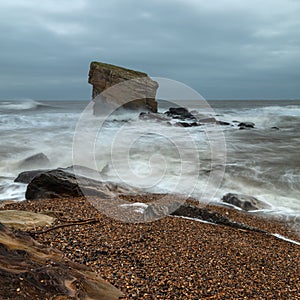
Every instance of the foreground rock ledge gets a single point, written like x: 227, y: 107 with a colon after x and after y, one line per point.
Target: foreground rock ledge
x: 141, y: 89
x: 29, y: 270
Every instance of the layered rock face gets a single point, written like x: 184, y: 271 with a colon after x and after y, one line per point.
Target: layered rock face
x: 29, y: 270
x: 138, y: 93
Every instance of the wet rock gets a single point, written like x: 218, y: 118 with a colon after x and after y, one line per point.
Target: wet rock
x: 154, y: 116
x: 141, y: 89
x: 222, y: 123
x: 60, y: 183
x: 205, y: 214
x: 244, y: 202
x: 187, y: 124
x: 29, y: 270
x: 244, y: 125
x: 39, y: 159
x: 19, y: 219
x: 27, y: 176
x: 179, y: 113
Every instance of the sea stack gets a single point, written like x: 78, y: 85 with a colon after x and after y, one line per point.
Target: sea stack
x: 110, y: 87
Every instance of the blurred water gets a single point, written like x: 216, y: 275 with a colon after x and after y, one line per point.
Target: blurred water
x: 263, y: 162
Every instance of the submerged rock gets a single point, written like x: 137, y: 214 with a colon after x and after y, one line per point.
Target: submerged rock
x: 154, y: 116
x: 39, y: 159
x: 141, y: 89
x: 29, y: 270
x: 244, y: 202
x: 179, y: 113
x: 244, y: 125
x: 27, y: 176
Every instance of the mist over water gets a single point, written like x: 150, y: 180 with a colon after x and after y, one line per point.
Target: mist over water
x: 262, y: 162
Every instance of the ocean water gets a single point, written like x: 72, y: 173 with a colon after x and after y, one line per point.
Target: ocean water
x: 205, y: 162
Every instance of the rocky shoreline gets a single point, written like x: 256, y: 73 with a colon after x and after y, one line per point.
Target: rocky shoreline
x: 173, y: 257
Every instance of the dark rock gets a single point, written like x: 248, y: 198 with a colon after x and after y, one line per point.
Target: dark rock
x: 244, y: 202
x: 141, y: 89
x: 29, y: 270
x: 154, y: 116
x: 60, y: 183
x: 246, y: 125
x: 205, y: 214
x: 179, y: 113
x: 222, y: 123
x: 275, y: 128
x: 186, y: 124
x: 27, y: 176
x: 39, y: 159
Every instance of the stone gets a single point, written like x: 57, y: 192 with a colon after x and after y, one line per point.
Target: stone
x: 207, y: 215
x: 246, y: 125
x: 179, y: 113
x: 27, y: 176
x: 29, y: 270
x: 60, y: 183
x: 39, y: 159
x: 187, y: 124
x: 19, y: 219
x: 141, y: 89
x: 245, y: 202
x: 149, y: 116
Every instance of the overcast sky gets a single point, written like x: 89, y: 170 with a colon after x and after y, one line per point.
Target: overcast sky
x: 224, y: 49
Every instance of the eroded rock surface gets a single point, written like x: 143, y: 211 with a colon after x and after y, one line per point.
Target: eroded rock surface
x: 29, y: 270
x: 24, y: 219
x: 139, y: 93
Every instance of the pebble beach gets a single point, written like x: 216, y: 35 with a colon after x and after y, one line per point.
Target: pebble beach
x: 174, y: 258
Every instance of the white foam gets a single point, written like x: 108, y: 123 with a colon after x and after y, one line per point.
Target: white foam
x: 281, y: 237
x: 140, y: 207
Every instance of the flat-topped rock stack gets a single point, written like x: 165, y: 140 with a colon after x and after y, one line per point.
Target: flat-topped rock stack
x: 138, y: 93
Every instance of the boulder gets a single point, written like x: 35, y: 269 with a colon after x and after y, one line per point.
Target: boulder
x: 142, y: 89
x: 244, y: 202
x: 60, y: 183
x: 19, y: 219
x: 179, y: 113
x: 30, y: 270
x: 39, y: 159
x: 27, y: 176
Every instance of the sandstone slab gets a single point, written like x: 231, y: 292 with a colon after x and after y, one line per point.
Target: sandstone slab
x: 132, y: 89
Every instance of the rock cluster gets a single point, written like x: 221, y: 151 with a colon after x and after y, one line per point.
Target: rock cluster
x: 121, y: 87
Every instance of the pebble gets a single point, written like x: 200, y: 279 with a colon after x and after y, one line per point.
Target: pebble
x: 175, y: 258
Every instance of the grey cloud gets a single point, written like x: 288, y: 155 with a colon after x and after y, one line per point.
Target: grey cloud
x: 246, y: 49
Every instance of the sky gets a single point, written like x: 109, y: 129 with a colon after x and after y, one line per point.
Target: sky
x: 224, y: 49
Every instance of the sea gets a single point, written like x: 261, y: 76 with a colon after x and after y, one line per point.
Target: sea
x: 205, y: 162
